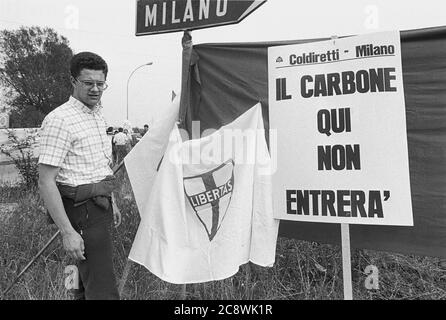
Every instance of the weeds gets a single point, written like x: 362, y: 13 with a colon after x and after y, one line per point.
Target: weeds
x: 21, y: 153
x: 303, y: 270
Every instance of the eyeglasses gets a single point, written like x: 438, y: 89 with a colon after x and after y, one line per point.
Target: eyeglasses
x: 89, y: 84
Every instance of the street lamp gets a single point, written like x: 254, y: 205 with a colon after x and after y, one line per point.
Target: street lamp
x: 128, y: 81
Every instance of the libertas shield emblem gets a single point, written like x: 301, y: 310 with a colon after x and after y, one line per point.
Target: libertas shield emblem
x: 210, y: 194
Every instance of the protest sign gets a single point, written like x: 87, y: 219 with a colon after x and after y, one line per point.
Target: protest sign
x: 338, y: 109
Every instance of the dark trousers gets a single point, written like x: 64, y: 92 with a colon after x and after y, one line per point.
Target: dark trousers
x: 96, y: 273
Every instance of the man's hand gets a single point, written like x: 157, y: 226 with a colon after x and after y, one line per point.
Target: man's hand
x: 74, y: 245
x: 72, y: 241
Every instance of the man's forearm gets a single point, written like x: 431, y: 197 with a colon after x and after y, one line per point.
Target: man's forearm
x: 53, y: 203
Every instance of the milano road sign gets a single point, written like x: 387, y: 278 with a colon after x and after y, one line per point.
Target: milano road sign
x: 162, y: 16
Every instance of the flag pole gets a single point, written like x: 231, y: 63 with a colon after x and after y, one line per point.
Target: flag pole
x: 124, y: 277
x: 183, y: 292
x: 31, y: 262
x: 187, y: 44
x: 115, y: 169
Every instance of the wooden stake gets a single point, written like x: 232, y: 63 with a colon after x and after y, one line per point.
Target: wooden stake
x: 346, y: 261
x: 183, y: 292
x: 124, y: 277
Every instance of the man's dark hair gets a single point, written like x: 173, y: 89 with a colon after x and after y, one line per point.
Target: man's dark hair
x: 146, y: 125
x: 121, y: 129
x: 87, y: 60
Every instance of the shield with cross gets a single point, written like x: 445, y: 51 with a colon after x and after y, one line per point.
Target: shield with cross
x: 209, y: 195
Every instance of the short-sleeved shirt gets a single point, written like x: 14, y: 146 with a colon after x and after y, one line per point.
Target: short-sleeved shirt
x: 73, y: 137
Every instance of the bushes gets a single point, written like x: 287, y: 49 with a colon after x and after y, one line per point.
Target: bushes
x: 20, y: 150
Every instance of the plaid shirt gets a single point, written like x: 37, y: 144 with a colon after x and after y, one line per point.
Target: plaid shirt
x: 74, y: 138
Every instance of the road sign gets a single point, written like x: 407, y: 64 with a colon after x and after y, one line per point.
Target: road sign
x: 162, y: 16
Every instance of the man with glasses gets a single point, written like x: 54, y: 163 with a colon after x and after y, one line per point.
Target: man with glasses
x: 75, y: 178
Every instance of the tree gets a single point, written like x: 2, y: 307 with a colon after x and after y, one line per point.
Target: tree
x: 34, y: 70
x: 20, y: 150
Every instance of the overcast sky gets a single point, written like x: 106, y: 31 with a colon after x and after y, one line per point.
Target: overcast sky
x: 108, y: 28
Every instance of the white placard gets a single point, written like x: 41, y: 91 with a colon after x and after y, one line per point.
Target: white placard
x: 341, y: 146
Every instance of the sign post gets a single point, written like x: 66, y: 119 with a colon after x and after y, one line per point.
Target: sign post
x: 346, y: 261
x: 346, y: 254
x: 164, y: 16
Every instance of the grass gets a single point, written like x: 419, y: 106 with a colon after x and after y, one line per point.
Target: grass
x: 303, y: 270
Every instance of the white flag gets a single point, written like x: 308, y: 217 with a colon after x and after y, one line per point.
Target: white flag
x: 210, y: 208
x: 143, y: 160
